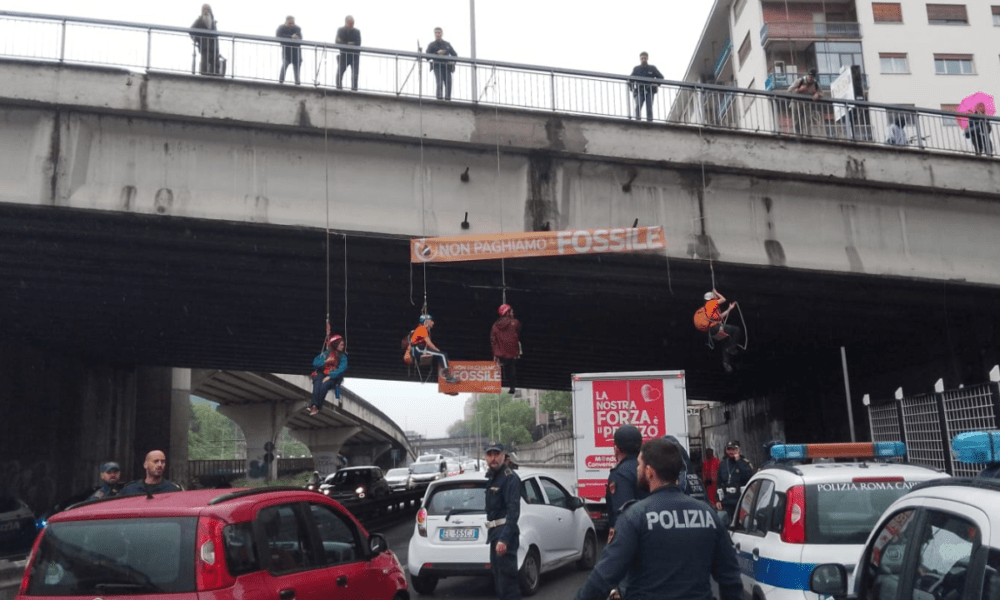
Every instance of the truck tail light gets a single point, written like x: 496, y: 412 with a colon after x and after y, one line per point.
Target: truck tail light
x: 794, y: 531
x: 422, y: 522
x: 210, y: 564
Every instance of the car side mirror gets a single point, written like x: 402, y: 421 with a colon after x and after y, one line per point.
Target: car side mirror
x: 829, y: 580
x: 377, y: 543
x: 576, y: 502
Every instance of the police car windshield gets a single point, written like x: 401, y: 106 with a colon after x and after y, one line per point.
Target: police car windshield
x: 845, y: 512
x: 468, y: 497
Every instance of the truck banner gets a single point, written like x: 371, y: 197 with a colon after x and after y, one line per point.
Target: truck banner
x: 634, y: 402
x: 537, y: 243
x: 481, y: 376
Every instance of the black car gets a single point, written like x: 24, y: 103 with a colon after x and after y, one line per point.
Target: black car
x: 18, y: 528
x: 356, y: 483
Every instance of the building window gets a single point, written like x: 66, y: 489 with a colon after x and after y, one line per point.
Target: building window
x: 950, y: 108
x: 893, y: 62
x: 738, y: 9
x: 996, y: 16
x: 745, y: 49
x: 831, y: 56
x: 887, y: 12
x: 947, y: 14
x: 953, y: 64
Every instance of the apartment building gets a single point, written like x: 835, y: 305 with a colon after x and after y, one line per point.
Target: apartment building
x: 910, y: 52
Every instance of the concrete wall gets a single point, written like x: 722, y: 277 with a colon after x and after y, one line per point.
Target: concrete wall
x: 554, y: 450
x: 80, y: 415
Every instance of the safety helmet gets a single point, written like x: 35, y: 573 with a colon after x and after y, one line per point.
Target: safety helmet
x: 333, y: 340
x: 504, y: 309
x: 628, y: 438
x: 709, y: 295
x: 426, y: 318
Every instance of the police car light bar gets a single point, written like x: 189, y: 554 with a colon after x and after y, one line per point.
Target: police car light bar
x: 840, y: 450
x: 976, y: 447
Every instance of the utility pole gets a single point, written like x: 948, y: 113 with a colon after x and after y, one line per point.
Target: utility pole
x: 472, y: 35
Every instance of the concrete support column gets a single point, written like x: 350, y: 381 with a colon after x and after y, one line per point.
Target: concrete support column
x: 180, y: 420
x: 325, y: 445
x: 361, y: 456
x: 261, y: 423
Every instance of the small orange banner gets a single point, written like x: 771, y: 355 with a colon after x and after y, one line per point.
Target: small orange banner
x: 537, y: 243
x: 473, y: 376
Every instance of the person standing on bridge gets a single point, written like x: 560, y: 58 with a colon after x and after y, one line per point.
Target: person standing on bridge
x: 808, y: 117
x: 668, y: 544
x: 330, y: 365
x: 505, y: 338
x: 503, y: 510
x: 207, y: 42
x: 291, y: 52
x: 644, y: 91
x: 440, y: 65
x: 349, y: 36
x: 422, y: 345
x: 153, y: 483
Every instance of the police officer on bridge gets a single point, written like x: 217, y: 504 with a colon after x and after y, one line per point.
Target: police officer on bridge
x: 669, y: 543
x: 503, y: 509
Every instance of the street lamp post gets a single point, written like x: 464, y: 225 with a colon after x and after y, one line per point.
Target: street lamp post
x: 472, y: 29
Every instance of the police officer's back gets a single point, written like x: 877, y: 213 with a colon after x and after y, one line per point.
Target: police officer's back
x: 669, y: 544
x: 622, y: 484
x: 689, y: 481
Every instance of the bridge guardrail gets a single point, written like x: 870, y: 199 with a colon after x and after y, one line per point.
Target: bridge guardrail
x: 149, y: 48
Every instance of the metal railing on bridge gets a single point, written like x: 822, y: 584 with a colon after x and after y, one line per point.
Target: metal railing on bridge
x: 927, y: 423
x: 148, y: 48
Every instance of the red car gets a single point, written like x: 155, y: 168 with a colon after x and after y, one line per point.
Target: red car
x: 286, y: 543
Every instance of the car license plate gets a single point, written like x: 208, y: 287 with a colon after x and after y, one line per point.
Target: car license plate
x: 452, y: 534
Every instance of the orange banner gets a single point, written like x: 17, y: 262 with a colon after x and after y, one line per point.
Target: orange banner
x: 473, y: 376
x: 537, y: 243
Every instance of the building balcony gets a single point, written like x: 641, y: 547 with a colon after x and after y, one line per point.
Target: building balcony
x: 781, y: 81
x: 809, y: 31
x: 720, y: 63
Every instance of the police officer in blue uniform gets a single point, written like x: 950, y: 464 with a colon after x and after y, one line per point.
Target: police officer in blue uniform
x: 689, y: 481
x: 668, y: 543
x: 622, y: 484
x: 503, y: 509
x: 734, y: 473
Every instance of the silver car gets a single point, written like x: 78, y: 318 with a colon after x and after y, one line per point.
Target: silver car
x: 425, y: 472
x: 400, y: 480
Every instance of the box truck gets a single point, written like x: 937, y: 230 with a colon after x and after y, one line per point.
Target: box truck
x: 653, y: 401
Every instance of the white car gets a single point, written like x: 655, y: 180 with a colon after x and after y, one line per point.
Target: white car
x: 423, y: 473
x: 792, y: 516
x: 400, y: 479
x: 449, y: 537
x: 938, y: 542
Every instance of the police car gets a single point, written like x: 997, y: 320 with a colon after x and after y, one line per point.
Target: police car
x: 793, y: 516
x: 938, y: 542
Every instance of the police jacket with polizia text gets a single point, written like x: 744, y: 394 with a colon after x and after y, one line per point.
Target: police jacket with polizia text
x: 623, y: 486
x: 733, y: 475
x: 503, y: 501
x: 668, y: 544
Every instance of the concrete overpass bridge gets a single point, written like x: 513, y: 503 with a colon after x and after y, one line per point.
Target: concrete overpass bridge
x: 152, y: 220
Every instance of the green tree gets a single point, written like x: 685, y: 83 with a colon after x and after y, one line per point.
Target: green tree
x: 461, y: 428
x: 561, y: 402
x: 211, y: 436
x: 500, y: 417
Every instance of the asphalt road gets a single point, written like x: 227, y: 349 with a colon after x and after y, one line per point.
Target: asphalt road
x: 560, y: 584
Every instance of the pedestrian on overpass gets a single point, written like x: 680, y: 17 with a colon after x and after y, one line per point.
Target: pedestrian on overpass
x: 153, y: 483
x: 505, y: 339
x: 503, y: 509
x: 330, y: 365
x: 291, y: 51
x: 668, y: 544
x: 207, y: 42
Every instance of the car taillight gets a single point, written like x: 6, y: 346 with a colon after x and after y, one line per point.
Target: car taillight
x: 210, y: 569
x: 794, y: 531
x: 422, y: 522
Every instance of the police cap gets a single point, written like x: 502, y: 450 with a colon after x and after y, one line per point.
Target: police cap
x: 496, y: 447
x: 628, y: 438
x: 732, y: 444
x: 110, y: 466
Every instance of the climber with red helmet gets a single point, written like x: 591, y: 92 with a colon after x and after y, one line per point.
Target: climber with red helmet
x: 505, y: 338
x: 330, y: 365
x: 709, y: 318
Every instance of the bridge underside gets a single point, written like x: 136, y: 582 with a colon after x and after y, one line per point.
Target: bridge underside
x: 134, y: 289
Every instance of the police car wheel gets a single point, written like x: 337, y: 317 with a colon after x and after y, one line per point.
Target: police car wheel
x: 530, y: 573
x: 588, y: 556
x: 424, y: 584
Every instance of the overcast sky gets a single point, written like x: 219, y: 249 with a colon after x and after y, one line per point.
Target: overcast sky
x: 585, y: 35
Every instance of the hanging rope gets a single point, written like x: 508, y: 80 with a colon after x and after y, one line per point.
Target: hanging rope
x: 499, y: 201
x: 423, y: 202
x: 326, y: 164
x: 345, y: 289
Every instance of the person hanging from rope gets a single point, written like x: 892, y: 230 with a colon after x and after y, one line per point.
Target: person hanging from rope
x: 505, y: 338
x: 330, y: 365
x: 710, y: 319
x: 422, y: 345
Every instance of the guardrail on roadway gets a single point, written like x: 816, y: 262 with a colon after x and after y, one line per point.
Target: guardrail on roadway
x: 149, y: 48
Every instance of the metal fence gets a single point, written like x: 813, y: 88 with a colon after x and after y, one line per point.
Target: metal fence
x: 147, y: 48
x: 927, y: 423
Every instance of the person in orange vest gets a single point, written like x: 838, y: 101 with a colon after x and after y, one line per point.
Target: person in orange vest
x: 421, y: 343
x: 710, y: 319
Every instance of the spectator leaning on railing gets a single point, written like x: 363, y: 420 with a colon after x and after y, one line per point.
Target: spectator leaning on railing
x: 208, y: 42
x: 808, y: 117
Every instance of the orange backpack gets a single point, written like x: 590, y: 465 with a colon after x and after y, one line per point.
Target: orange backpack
x: 701, y: 320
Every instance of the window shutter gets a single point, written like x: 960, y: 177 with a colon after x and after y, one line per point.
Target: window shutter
x: 953, y: 57
x: 947, y: 12
x: 892, y: 54
x: 887, y: 12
